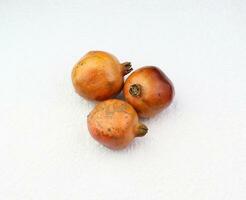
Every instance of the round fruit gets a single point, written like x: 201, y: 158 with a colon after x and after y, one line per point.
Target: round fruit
x: 99, y: 75
x: 114, y: 123
x: 148, y: 90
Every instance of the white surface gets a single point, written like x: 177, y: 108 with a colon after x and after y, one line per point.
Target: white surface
x: 195, y: 150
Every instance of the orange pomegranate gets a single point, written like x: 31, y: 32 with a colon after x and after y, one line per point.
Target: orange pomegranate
x: 114, y: 123
x: 148, y: 90
x: 99, y: 75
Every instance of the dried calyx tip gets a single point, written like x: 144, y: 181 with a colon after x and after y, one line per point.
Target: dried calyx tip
x: 135, y: 90
x: 127, y: 67
x: 142, y: 130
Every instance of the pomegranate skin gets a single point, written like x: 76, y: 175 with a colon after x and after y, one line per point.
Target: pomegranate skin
x: 149, y: 91
x: 114, y: 123
x: 99, y: 75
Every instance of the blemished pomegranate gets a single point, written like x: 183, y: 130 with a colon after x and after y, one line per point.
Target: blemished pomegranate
x: 114, y: 123
x: 149, y: 91
x: 99, y: 75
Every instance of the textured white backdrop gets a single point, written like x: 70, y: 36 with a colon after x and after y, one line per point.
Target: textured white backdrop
x: 195, y: 150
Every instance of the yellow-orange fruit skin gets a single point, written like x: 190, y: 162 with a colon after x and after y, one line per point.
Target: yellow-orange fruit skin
x: 157, y: 91
x: 98, y: 76
x: 113, y: 123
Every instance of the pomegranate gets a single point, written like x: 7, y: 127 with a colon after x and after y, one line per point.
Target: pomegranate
x: 99, y: 75
x: 114, y: 123
x: 148, y: 90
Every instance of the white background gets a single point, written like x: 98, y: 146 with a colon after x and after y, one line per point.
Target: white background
x: 195, y: 150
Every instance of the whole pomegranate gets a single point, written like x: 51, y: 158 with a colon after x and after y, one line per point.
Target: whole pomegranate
x: 114, y: 123
x: 99, y: 75
x: 148, y: 90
